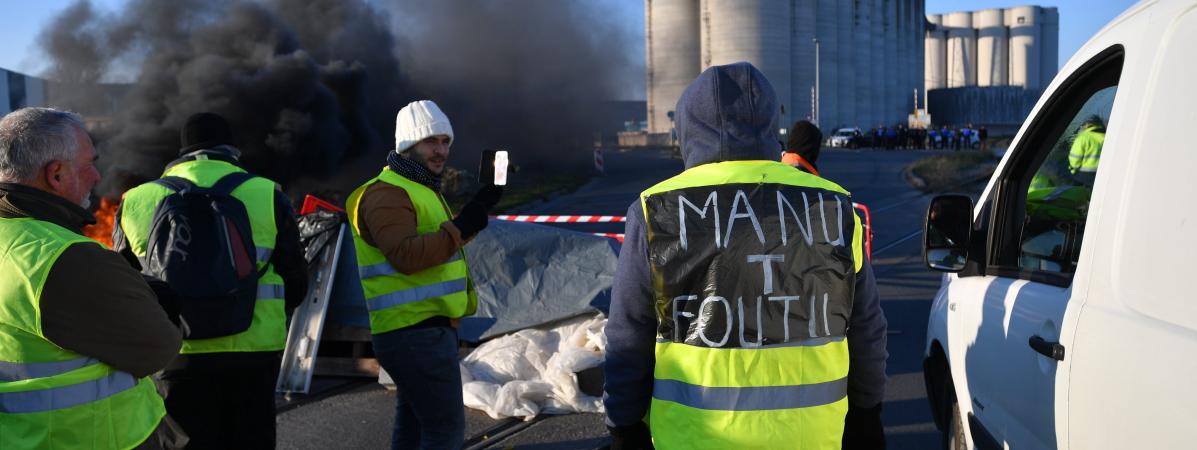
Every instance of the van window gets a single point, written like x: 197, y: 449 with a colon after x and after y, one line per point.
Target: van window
x: 1057, y: 200
x: 1042, y: 201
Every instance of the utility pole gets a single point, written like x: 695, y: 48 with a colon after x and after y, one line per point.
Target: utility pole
x: 815, y: 113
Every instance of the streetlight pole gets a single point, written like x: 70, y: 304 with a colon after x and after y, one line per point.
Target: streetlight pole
x: 815, y: 113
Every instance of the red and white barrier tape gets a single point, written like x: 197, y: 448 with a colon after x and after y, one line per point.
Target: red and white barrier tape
x: 867, y: 225
x: 616, y: 236
x: 562, y: 219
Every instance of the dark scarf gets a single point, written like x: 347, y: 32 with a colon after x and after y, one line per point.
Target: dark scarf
x: 18, y: 200
x: 414, y: 171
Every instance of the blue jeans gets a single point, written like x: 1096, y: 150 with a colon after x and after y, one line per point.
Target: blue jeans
x: 423, y: 362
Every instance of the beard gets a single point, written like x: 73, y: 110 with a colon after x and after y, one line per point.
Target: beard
x: 426, y: 162
x: 86, y: 202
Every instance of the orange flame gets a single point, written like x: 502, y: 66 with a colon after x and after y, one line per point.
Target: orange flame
x: 105, y: 215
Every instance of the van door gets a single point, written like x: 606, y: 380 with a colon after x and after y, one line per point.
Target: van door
x: 1134, y: 357
x: 1013, y: 313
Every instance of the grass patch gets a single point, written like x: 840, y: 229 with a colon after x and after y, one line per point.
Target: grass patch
x: 951, y: 171
x: 523, y: 188
x: 544, y: 186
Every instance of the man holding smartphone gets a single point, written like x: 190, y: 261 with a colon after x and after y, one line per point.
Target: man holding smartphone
x: 413, y: 273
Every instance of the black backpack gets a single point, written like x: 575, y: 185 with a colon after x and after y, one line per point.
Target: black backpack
x: 201, y: 244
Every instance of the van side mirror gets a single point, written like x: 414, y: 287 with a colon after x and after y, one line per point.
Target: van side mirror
x: 946, y: 234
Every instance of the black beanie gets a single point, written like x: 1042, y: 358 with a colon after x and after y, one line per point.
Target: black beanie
x: 204, y: 130
x: 805, y: 140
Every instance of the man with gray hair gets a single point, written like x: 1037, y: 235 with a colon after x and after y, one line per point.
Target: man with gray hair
x: 80, y: 330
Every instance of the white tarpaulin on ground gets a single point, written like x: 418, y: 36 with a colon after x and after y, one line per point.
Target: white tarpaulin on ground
x: 532, y: 371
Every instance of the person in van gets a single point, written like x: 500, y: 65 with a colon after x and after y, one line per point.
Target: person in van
x: 1086, y: 150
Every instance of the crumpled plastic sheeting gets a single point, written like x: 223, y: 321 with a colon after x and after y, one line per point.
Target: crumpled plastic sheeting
x: 528, y: 275
x: 532, y: 371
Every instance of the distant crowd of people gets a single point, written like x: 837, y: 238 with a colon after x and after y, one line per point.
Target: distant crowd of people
x: 903, y: 137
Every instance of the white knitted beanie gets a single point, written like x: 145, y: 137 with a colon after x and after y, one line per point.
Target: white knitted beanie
x: 418, y: 120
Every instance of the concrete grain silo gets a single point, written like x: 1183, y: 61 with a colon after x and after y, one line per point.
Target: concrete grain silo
x: 866, y: 92
x: 935, y: 51
x: 870, y: 54
x: 845, y: 94
x: 756, y: 31
x: 877, y: 65
x: 1025, y: 46
x: 992, y: 47
x: 672, y: 47
x: 892, y: 69
x: 1050, y: 55
x: 997, y: 81
x: 962, y: 49
x: 901, y: 83
x: 829, y: 57
x: 802, y: 66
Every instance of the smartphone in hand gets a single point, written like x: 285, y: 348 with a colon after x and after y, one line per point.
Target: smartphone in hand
x: 501, y: 168
x: 492, y: 168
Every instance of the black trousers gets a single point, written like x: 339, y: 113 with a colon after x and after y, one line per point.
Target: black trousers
x: 224, y: 400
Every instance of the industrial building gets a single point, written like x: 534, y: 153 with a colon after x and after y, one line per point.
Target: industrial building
x: 870, y: 53
x: 989, y: 67
x: 995, y: 47
x: 19, y: 90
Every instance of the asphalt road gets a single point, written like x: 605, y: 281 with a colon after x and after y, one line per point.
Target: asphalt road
x: 362, y: 417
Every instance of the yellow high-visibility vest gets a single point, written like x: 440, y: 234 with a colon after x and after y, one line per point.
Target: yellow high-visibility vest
x: 267, y: 330
x: 50, y: 397
x: 753, y: 269
x: 396, y: 300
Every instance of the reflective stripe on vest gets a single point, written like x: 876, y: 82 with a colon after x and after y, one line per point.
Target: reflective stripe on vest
x: 750, y: 398
x: 66, y: 396
x: 394, y: 299
x: 727, y: 242
x: 267, y: 331
x: 264, y: 254
x: 51, y: 397
x: 383, y: 269
x: 416, y: 294
x: 11, y: 371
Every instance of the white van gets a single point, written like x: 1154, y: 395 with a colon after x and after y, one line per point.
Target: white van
x: 1067, y: 317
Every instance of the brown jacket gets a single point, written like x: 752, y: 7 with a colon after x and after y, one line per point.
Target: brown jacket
x: 93, y: 303
x: 387, y: 220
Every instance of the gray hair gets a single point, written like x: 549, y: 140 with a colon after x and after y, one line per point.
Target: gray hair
x: 32, y: 137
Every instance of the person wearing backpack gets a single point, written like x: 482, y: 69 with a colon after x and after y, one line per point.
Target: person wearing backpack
x: 227, y: 244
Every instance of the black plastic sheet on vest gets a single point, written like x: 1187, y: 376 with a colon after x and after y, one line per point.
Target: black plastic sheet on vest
x: 744, y: 265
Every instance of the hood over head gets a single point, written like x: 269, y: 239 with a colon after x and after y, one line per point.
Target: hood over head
x: 728, y: 113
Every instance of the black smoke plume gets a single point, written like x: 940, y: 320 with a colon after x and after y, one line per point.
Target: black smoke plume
x: 310, y: 86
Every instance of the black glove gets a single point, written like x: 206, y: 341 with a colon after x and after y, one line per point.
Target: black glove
x: 863, y: 429
x: 471, y: 219
x: 167, y: 298
x: 631, y: 437
x: 489, y: 195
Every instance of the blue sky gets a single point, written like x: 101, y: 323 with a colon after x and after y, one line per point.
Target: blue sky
x: 21, y: 20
